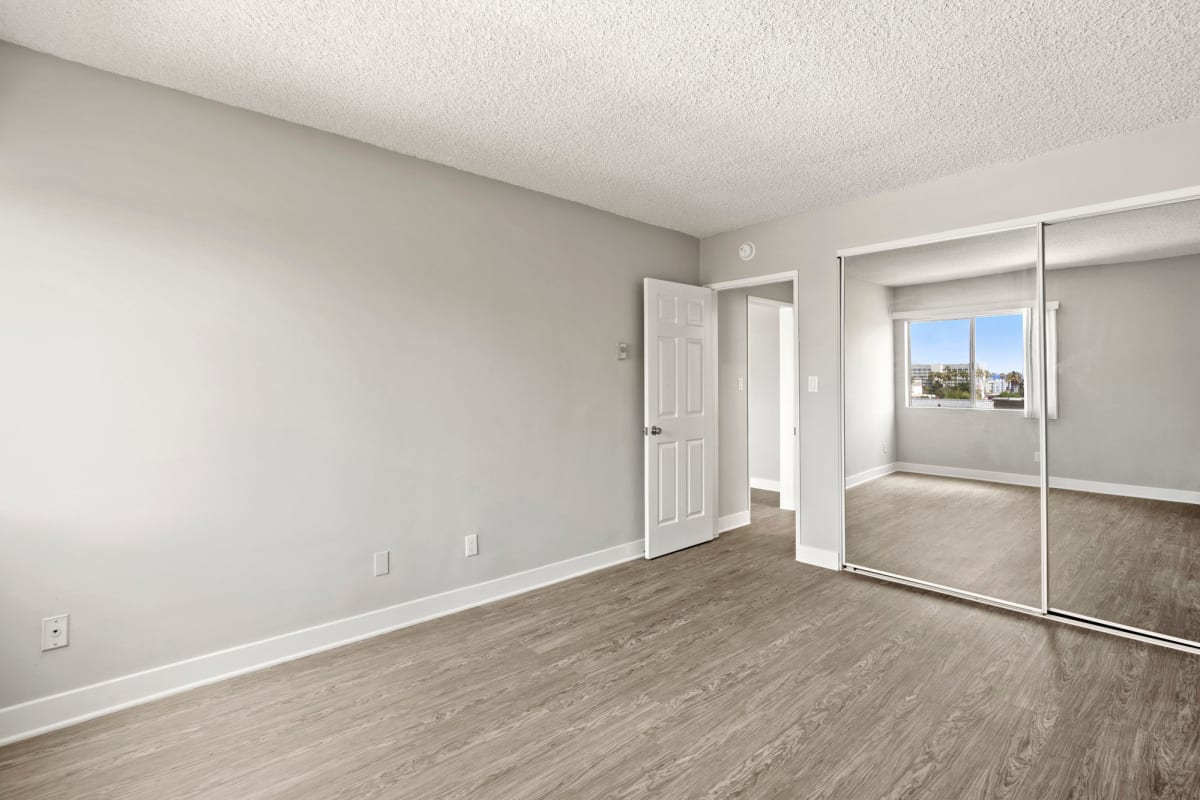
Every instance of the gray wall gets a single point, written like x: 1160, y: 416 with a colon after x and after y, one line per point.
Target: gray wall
x: 733, y: 434
x: 1128, y: 374
x: 762, y: 347
x: 1153, y: 160
x: 990, y: 440
x: 870, y: 378
x: 1128, y: 379
x: 241, y: 355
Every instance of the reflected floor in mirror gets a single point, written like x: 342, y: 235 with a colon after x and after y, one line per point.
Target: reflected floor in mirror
x: 1126, y: 560
x: 1120, y: 559
x: 973, y: 535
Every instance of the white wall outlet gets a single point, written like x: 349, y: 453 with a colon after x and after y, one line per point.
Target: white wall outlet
x: 884, y: 448
x: 383, y: 563
x: 56, y: 632
x: 741, y: 384
x: 1037, y: 456
x: 471, y: 542
x: 812, y: 383
x: 622, y: 351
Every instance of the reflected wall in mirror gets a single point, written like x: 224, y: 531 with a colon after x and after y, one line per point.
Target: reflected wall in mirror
x: 942, y: 477
x: 1123, y: 435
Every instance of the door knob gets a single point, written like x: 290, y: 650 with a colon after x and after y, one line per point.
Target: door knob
x: 655, y: 430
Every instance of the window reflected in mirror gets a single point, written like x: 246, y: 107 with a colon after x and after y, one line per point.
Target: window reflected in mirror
x: 977, y: 362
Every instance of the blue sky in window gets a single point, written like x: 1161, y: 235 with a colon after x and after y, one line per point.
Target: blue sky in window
x: 999, y: 342
x: 943, y: 341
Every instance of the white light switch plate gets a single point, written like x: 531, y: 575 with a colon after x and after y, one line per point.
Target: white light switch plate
x: 383, y: 563
x: 472, y: 544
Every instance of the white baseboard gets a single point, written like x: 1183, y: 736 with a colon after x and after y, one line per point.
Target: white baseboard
x: 1014, y: 478
x: 44, y: 714
x: 766, y: 484
x: 1126, y: 490
x: 870, y: 475
x: 731, y: 521
x: 1073, y: 484
x: 818, y: 557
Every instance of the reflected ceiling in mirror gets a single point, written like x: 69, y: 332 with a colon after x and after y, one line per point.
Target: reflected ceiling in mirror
x: 949, y: 260
x: 1144, y: 234
x: 1163, y: 231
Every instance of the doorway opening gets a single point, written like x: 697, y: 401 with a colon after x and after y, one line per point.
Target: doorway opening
x: 770, y: 379
x: 757, y: 421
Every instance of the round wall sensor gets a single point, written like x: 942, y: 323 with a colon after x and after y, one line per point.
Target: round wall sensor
x: 746, y: 251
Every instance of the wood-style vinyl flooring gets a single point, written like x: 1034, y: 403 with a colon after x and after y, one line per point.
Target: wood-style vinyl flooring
x: 1119, y: 559
x: 727, y: 670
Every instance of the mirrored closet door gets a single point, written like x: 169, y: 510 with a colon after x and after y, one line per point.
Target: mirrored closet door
x: 941, y: 436
x: 1123, y: 418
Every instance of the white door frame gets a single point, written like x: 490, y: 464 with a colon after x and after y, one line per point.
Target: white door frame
x: 792, y: 275
x: 789, y: 423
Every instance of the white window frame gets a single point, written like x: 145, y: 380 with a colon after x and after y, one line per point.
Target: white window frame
x: 970, y: 315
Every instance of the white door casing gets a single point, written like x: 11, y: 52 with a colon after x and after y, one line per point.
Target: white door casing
x: 680, y: 417
x: 787, y: 409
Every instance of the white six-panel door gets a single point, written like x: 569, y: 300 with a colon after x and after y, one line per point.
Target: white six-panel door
x: 680, y: 418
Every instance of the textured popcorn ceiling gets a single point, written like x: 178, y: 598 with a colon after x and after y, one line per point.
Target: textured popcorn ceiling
x: 698, y: 116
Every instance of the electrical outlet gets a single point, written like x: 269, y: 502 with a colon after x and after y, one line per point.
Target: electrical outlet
x: 741, y: 384
x: 56, y: 632
x: 471, y: 541
x: 1037, y: 456
x: 884, y: 448
x: 813, y: 383
x: 383, y: 563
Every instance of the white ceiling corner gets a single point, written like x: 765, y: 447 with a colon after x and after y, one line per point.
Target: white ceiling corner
x: 700, y: 117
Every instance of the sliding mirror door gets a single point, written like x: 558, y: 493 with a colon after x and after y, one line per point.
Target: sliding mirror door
x: 942, y: 476
x: 1123, y: 420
